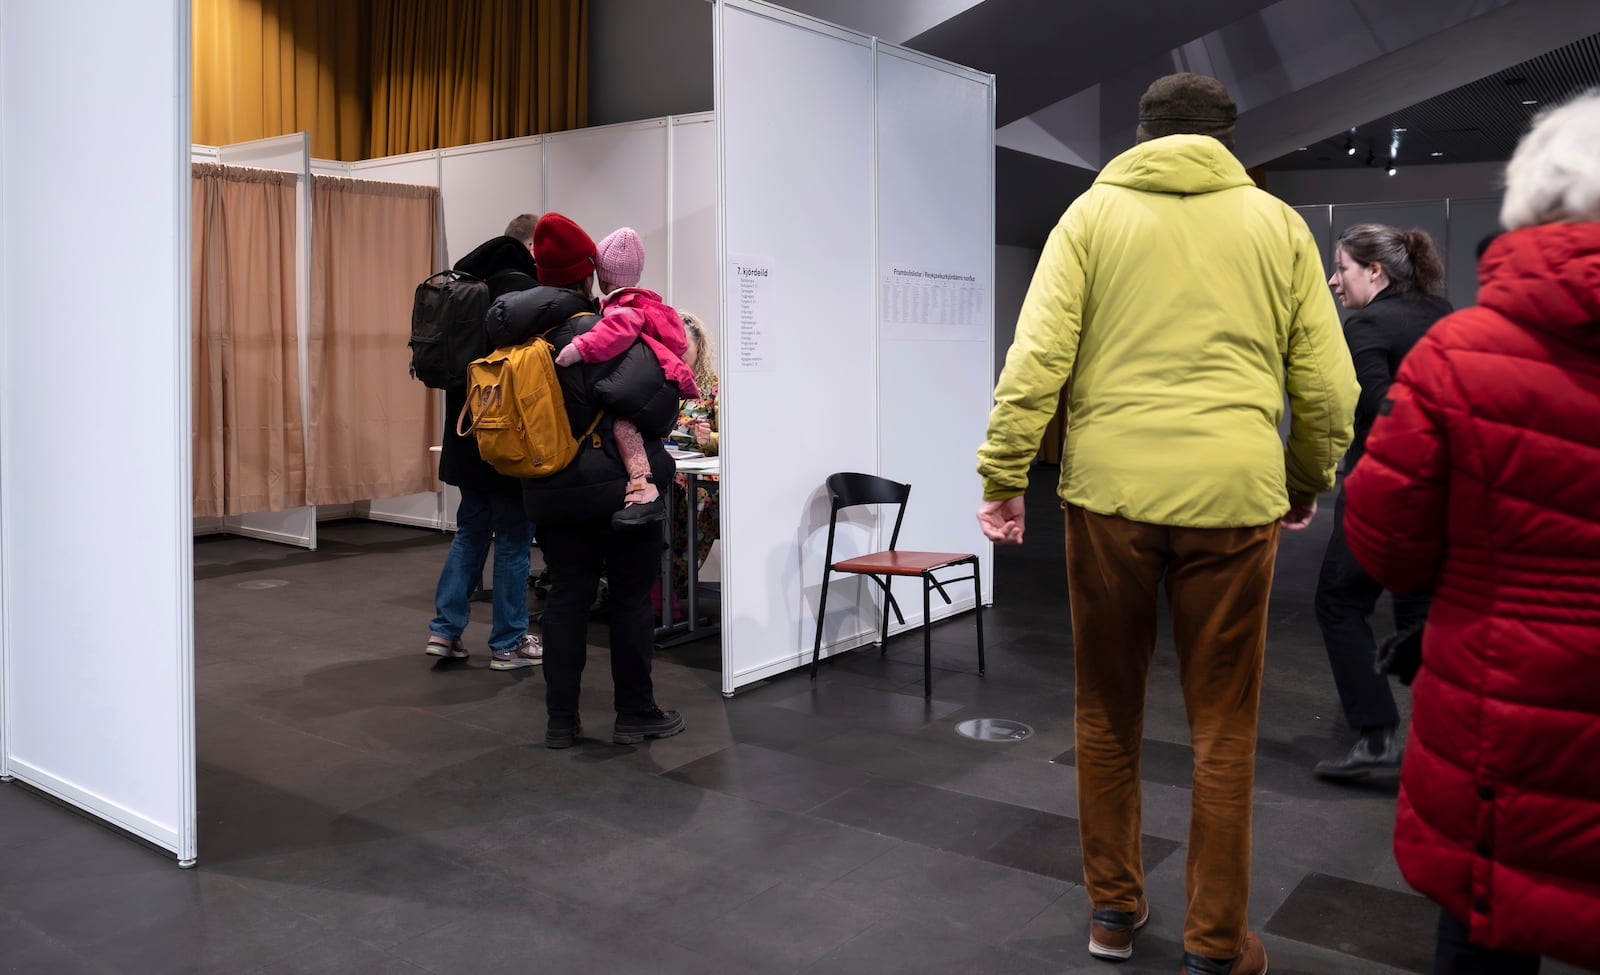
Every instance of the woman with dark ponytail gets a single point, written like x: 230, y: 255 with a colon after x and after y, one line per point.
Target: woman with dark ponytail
x: 1387, y: 277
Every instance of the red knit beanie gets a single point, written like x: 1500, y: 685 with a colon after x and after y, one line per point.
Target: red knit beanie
x: 563, y: 252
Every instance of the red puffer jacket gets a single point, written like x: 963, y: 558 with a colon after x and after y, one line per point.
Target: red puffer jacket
x: 1482, y: 480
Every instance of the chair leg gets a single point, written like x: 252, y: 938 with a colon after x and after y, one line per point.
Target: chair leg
x: 883, y: 638
x: 977, y: 605
x: 927, y: 643
x: 822, y: 608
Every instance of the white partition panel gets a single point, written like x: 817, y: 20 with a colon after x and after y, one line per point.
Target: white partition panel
x: 695, y: 283
x: 1470, y: 222
x: 1320, y: 220
x: 936, y: 303
x: 484, y: 186
x: 292, y: 154
x: 614, y: 176
x: 424, y: 510
x: 420, y: 168
x: 798, y: 351
x: 96, y: 579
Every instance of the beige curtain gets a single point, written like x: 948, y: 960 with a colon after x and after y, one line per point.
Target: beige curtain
x: 371, y: 423
x: 248, y: 430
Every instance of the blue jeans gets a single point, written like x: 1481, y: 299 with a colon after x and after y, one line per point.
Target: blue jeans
x: 480, y: 516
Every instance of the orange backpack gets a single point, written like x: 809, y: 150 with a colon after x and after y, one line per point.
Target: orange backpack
x: 518, y: 414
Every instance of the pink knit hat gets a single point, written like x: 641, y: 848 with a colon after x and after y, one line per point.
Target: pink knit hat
x: 620, y: 260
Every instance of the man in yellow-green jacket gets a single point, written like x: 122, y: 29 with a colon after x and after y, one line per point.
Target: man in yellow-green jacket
x: 1183, y: 304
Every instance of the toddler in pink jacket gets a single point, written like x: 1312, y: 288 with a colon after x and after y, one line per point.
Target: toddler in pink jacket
x: 628, y: 313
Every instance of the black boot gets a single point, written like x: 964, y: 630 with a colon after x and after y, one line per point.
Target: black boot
x: 655, y: 723
x: 1377, y: 751
x: 562, y: 730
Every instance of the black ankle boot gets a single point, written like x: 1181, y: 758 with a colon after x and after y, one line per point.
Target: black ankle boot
x: 1377, y: 751
x: 561, y: 731
x: 655, y: 723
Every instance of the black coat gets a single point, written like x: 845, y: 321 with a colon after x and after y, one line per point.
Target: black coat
x: 630, y: 386
x: 506, y: 265
x: 1379, y: 336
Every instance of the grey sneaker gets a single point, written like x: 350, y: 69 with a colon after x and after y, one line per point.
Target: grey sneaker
x: 528, y: 652
x: 442, y: 646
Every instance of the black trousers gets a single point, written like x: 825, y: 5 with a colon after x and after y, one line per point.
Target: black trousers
x: 577, y: 554
x: 1346, y: 597
x: 1455, y: 955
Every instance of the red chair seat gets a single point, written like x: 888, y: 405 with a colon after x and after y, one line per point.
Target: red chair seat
x: 899, y: 563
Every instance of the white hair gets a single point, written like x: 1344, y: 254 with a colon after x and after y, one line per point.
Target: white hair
x: 1554, y: 176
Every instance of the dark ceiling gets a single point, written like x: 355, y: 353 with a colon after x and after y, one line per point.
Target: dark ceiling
x: 1478, y: 122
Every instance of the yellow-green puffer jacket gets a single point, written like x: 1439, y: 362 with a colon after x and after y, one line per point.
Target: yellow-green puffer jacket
x: 1183, y: 302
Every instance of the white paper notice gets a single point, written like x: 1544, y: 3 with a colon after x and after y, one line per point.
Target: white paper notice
x: 754, y: 309
x: 943, y: 299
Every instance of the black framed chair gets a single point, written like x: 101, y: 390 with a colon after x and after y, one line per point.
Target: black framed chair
x: 849, y: 490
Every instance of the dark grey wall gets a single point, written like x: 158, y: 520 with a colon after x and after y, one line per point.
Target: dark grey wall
x: 648, y: 58
x: 1030, y: 194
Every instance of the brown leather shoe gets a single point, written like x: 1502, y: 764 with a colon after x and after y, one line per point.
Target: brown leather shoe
x: 1252, y: 961
x: 1111, y: 932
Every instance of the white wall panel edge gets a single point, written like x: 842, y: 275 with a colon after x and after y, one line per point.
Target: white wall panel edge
x: 986, y: 551
x: 476, y: 147
x: 5, y: 438
x: 187, y: 847
x: 718, y: 101
x: 566, y: 135
x: 107, y: 809
x: 772, y: 11
x: 692, y: 118
x: 382, y: 161
x: 929, y: 61
x: 795, y: 660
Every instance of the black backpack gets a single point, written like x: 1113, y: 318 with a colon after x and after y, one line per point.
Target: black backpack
x: 447, y: 329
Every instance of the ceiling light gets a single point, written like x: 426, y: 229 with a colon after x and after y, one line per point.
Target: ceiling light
x: 1391, y: 169
x: 1436, y: 154
x: 1302, y: 149
x: 1530, y: 101
x: 1349, y: 147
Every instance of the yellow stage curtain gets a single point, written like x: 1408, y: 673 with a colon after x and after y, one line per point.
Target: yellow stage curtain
x: 381, y: 77
x: 451, y: 74
x: 264, y: 68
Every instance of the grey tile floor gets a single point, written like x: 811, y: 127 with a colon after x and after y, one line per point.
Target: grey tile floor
x: 364, y: 809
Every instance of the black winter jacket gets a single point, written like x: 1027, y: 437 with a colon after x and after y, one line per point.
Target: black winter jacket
x: 506, y: 265
x: 631, y: 386
x: 1379, y: 336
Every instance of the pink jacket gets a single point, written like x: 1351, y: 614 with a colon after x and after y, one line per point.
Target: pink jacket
x: 635, y: 313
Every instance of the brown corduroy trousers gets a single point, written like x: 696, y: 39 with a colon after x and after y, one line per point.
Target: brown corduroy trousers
x: 1218, y: 581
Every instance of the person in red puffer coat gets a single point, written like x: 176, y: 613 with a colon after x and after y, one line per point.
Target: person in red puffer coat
x: 1482, y: 480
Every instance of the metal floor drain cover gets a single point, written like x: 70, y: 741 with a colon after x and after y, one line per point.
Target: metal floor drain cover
x: 263, y: 583
x: 994, y: 729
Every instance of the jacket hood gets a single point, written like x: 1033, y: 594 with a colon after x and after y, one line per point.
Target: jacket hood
x: 1183, y: 164
x: 1546, y: 277
x: 494, y: 256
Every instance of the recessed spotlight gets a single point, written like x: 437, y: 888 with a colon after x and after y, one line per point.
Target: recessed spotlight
x: 1436, y: 154
x: 1391, y: 170
x: 1401, y: 130
x: 1530, y: 101
x: 1349, y: 147
x: 1302, y: 149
